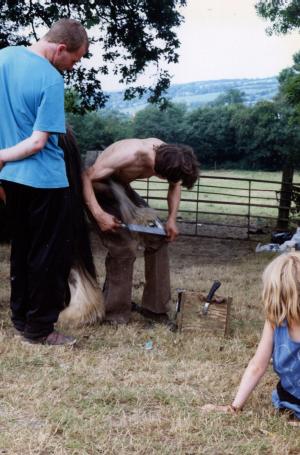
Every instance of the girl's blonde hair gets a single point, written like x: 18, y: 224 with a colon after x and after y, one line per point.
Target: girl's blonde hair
x: 281, y: 289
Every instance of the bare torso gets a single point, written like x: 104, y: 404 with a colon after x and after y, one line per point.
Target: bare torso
x: 128, y: 160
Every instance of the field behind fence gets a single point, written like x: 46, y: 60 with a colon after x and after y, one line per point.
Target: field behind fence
x: 225, y: 204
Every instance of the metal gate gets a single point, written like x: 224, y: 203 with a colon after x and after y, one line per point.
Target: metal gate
x: 222, y: 207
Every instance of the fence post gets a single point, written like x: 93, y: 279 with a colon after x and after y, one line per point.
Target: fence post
x: 285, y: 197
x: 249, y: 208
x: 197, y: 207
x: 147, y: 193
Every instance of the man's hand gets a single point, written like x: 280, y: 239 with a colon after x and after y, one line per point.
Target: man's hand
x: 107, y: 222
x: 171, y: 230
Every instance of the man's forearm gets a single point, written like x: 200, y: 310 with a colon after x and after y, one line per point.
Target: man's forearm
x: 105, y: 221
x: 89, y: 195
x: 174, y: 195
x: 25, y: 148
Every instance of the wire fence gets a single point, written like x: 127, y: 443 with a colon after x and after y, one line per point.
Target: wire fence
x: 224, y: 207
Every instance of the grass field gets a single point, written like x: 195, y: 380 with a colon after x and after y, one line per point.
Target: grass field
x: 111, y: 395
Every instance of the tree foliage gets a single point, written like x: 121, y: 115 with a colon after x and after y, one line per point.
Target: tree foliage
x: 264, y: 136
x: 231, y: 96
x: 95, y: 131
x: 131, y: 34
x: 283, y: 14
x: 289, y: 80
x: 169, y: 125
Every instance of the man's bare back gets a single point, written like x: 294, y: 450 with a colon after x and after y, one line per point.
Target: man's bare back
x: 128, y: 159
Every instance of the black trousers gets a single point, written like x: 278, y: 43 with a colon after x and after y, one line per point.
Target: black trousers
x: 41, y: 255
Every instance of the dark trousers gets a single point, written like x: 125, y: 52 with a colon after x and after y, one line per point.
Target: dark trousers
x: 122, y: 251
x: 41, y: 233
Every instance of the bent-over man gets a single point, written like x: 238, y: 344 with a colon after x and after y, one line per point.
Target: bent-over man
x: 124, y: 162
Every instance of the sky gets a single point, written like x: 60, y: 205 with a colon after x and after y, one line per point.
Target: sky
x: 224, y: 39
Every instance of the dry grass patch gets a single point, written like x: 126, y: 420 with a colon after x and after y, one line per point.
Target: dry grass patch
x: 112, y: 396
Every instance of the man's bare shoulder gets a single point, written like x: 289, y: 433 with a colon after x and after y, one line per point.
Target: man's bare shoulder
x: 137, y: 145
x: 127, y: 151
x: 121, y: 153
x: 153, y: 141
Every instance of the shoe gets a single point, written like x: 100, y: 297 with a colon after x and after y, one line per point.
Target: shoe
x: 53, y: 339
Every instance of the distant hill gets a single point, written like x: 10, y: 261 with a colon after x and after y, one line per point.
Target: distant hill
x: 195, y: 94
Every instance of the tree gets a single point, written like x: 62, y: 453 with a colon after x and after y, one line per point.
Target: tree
x: 168, y: 125
x: 231, y: 96
x: 289, y: 80
x: 209, y: 132
x: 266, y: 135
x: 97, y: 130
x: 130, y: 33
x: 284, y: 14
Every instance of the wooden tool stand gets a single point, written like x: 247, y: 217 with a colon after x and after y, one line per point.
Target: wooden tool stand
x: 190, y: 315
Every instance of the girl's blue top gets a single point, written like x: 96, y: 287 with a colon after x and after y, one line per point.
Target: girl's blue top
x: 286, y: 363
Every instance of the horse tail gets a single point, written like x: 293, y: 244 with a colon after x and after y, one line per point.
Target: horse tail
x: 85, y: 302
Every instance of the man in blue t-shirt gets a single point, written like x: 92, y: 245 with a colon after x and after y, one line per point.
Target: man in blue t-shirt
x: 34, y: 177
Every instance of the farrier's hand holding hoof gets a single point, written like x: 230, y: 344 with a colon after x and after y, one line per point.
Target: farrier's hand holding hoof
x: 171, y: 230
x: 108, y: 222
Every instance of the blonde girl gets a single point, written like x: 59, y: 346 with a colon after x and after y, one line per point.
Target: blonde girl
x: 280, y: 338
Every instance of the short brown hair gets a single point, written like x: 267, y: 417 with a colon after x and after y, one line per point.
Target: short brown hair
x: 177, y: 162
x: 69, y: 32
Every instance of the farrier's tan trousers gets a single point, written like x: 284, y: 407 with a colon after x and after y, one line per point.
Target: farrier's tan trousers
x: 122, y: 251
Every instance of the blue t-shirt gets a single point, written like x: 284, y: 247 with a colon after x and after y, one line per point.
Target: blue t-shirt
x: 286, y: 363
x: 31, y: 99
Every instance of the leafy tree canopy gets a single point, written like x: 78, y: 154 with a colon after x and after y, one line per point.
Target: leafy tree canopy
x: 232, y: 96
x: 283, y: 14
x: 289, y: 80
x: 131, y: 34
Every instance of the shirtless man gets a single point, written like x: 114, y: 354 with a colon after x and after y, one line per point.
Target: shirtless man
x: 125, y: 161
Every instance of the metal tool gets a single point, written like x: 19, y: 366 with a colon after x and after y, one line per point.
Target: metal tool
x: 215, y: 286
x: 179, y: 291
x: 155, y: 228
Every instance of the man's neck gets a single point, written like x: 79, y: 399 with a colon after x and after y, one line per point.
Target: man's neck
x: 44, y: 49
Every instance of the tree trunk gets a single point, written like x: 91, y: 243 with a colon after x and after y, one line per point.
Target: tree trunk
x: 285, y: 197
